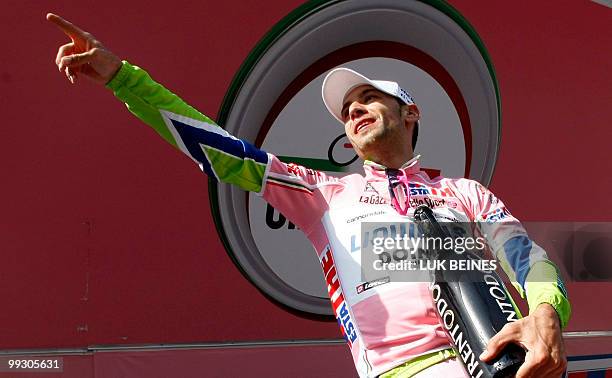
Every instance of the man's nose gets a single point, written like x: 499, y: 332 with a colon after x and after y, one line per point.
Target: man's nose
x: 357, y: 110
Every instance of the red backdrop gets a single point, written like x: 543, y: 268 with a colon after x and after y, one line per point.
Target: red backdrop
x: 106, y: 235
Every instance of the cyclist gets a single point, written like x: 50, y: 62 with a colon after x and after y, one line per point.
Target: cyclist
x: 391, y: 327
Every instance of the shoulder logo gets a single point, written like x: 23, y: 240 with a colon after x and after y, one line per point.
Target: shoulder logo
x: 369, y: 188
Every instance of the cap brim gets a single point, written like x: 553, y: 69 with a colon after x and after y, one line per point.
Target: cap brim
x: 337, y: 84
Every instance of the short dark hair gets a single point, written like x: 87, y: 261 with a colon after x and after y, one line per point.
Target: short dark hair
x: 415, y: 130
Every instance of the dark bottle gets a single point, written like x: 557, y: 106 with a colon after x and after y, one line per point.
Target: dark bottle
x: 473, y: 305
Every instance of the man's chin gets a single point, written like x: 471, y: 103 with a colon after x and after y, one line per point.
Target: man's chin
x: 370, y: 139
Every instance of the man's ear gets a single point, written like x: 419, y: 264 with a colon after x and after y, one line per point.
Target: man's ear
x: 410, y: 113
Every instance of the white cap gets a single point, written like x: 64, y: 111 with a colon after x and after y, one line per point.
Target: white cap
x: 340, y: 81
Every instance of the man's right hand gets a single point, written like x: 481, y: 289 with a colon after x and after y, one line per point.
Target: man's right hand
x: 84, y: 55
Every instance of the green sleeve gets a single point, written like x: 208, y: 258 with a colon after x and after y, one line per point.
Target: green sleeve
x: 544, y: 285
x: 145, y: 98
x: 526, y: 263
x: 219, y: 154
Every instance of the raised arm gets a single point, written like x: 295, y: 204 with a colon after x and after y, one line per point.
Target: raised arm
x: 219, y: 154
x: 294, y: 191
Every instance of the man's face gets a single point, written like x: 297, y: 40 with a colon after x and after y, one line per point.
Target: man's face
x: 373, y: 121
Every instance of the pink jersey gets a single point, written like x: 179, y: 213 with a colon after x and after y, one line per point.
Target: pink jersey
x: 388, y: 323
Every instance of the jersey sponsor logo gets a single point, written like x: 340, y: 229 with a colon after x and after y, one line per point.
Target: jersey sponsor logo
x: 339, y: 306
x: 296, y: 170
x: 371, y: 284
x: 369, y: 188
x: 373, y: 199
x: 434, y: 202
x: 363, y: 216
x: 417, y: 189
x: 497, y: 215
x: 365, y: 239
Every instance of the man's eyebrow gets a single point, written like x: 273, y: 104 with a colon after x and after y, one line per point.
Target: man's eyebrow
x: 365, y: 92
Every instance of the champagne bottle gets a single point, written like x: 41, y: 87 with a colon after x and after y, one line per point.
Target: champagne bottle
x: 472, y: 305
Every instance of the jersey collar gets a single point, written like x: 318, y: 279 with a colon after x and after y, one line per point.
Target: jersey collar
x: 410, y: 167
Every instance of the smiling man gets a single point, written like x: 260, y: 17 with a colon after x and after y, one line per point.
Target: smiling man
x: 391, y: 327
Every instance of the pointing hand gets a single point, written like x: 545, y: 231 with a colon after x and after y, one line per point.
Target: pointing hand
x: 84, y: 55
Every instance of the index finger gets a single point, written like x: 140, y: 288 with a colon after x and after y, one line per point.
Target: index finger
x: 67, y: 27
